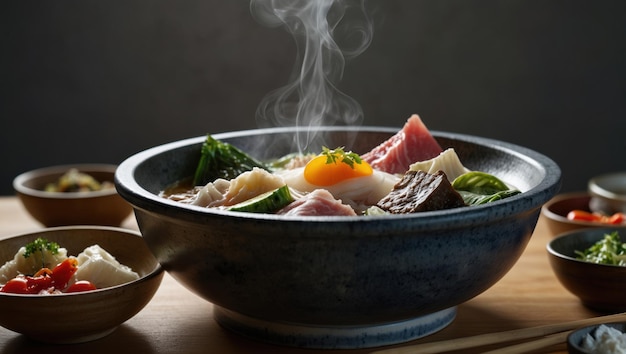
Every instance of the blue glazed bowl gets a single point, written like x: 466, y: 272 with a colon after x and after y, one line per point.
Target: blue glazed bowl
x: 337, y: 282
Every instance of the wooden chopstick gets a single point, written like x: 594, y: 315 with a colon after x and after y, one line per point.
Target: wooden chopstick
x: 506, y: 336
x: 526, y: 347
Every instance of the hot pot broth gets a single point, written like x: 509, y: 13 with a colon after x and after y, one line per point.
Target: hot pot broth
x: 378, y: 190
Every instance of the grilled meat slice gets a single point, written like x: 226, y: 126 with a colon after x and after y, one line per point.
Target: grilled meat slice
x: 420, y: 191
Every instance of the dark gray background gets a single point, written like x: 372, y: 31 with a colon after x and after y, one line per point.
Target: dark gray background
x: 96, y: 81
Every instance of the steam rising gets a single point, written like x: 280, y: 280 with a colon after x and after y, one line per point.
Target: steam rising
x: 311, y: 99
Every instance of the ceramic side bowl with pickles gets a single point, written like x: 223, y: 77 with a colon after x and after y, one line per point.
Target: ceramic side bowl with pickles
x: 78, y: 194
x: 47, y: 297
x: 602, y: 205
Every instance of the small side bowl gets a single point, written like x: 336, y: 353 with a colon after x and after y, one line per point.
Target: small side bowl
x: 103, y: 207
x: 574, y: 339
x: 555, y: 212
x: 608, y: 193
x: 600, y: 287
x: 85, y: 316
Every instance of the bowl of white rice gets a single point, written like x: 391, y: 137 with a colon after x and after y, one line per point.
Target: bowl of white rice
x: 608, y: 338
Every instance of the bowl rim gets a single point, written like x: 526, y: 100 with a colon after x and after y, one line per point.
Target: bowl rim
x: 601, y: 231
x: 155, y: 272
x: 595, y: 186
x: 130, y: 190
x: 20, y: 180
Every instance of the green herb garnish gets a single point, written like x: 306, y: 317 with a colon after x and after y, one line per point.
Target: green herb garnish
x: 40, y: 245
x: 610, y: 250
x: 340, y: 155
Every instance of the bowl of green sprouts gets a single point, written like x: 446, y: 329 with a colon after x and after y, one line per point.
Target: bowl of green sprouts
x: 591, y: 264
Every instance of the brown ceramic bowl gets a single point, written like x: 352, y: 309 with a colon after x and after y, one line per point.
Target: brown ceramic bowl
x: 555, y: 212
x: 85, y: 316
x: 104, y: 207
x: 599, y: 286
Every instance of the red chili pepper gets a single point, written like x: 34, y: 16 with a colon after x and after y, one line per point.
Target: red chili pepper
x: 39, y: 283
x: 42, y: 272
x: 27, y: 284
x: 617, y: 218
x: 79, y: 286
x: 44, y: 279
x: 582, y: 215
x: 17, y: 285
x: 62, y: 273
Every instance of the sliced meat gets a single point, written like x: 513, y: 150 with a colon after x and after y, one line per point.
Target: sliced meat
x: 412, y: 144
x: 317, y: 203
x: 420, y: 191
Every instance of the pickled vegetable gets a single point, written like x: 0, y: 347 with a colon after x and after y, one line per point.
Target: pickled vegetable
x: 267, y: 202
x: 76, y: 181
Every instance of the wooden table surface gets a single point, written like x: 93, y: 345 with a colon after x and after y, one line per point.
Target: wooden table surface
x: 178, y: 321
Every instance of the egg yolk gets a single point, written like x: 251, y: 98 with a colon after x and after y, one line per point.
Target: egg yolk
x: 321, y: 173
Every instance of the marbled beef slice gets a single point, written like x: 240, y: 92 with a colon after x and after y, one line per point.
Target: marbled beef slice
x: 420, y: 191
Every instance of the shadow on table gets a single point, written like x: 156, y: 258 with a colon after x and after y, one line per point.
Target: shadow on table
x: 122, y: 338
x: 464, y: 324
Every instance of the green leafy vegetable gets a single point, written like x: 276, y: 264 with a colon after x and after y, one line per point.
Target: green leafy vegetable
x: 610, y: 250
x: 476, y: 199
x: 479, y: 183
x: 222, y: 160
x: 479, y: 188
x: 349, y: 158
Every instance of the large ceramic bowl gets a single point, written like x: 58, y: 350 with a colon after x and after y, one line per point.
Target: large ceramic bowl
x: 82, y: 316
x: 100, y: 207
x: 337, y: 281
